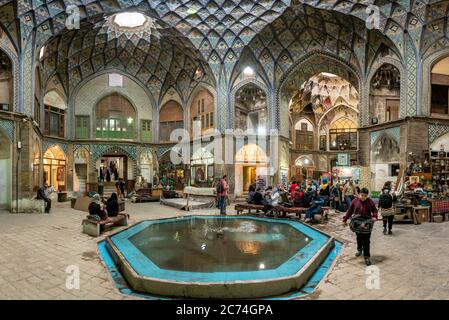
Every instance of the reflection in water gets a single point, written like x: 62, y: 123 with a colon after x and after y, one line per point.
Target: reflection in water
x: 217, y: 245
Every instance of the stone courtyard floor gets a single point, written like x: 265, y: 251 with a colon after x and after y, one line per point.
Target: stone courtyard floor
x: 36, y: 249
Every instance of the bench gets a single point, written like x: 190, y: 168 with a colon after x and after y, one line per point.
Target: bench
x: 199, y: 198
x: 324, y: 214
x: 94, y: 228
x: 239, y: 208
x: 281, y: 210
x: 145, y: 195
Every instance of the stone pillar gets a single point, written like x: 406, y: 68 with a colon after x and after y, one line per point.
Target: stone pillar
x: 364, y: 148
x: 70, y: 168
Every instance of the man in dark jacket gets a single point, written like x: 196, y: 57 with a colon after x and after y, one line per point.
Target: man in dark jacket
x: 41, y: 195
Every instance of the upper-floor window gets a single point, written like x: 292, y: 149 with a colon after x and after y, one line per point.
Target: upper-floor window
x: 82, y: 127
x: 170, y: 118
x: 54, y: 121
x: 6, y: 82
x: 304, y: 135
x: 115, y: 118
x: 343, y: 135
x: 202, y: 112
x: 145, y: 133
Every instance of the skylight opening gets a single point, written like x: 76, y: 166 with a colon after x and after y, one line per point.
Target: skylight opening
x: 129, y: 19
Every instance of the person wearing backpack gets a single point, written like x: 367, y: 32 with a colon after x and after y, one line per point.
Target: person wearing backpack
x: 222, y: 193
x: 297, y: 197
x: 387, y: 209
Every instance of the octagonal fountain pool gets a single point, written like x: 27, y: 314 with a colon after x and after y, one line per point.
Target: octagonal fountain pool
x: 218, y: 256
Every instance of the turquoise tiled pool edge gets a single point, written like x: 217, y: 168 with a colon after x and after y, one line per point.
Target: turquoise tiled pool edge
x: 142, y: 275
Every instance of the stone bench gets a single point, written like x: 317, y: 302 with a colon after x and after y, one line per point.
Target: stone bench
x: 32, y: 205
x: 94, y: 228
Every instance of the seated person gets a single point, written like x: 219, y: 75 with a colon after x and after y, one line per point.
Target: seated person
x: 251, y: 196
x: 258, y: 197
x: 42, y: 195
x: 112, y: 205
x: 308, y: 197
x: 284, y: 201
x: 97, y: 208
x: 315, y: 206
x: 299, y: 198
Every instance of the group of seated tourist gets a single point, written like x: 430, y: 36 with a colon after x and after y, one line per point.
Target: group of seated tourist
x: 308, y: 194
x: 100, y: 210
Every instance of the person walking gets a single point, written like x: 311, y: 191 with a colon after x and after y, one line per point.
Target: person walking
x: 222, y: 193
x: 349, y: 192
x: 363, y: 213
x: 336, y: 199
x: 387, y: 209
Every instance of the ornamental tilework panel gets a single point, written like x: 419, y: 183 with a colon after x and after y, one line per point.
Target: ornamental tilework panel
x: 222, y: 105
x: 410, y: 61
x: 436, y: 131
x: 394, y: 132
x: 160, y: 151
x: 27, y: 79
x: 8, y: 127
x: 76, y: 146
x: 99, y: 149
x: 46, y: 144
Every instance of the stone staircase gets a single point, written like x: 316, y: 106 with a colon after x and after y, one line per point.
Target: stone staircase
x: 108, y: 189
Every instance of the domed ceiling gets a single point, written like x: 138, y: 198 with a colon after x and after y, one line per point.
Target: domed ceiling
x: 189, y: 35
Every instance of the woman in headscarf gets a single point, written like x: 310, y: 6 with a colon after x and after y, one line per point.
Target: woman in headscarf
x: 387, y: 209
x: 112, y: 205
x: 97, y: 208
x: 336, y: 196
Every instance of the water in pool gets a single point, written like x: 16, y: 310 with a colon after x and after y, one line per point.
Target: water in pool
x: 217, y: 245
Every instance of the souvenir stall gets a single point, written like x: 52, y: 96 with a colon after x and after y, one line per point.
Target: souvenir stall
x: 426, y: 186
x: 343, y: 174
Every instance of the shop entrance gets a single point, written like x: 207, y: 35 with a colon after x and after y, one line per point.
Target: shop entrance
x: 251, y: 165
x: 249, y: 177
x: 113, y: 167
x: 55, y: 168
x: 5, y: 171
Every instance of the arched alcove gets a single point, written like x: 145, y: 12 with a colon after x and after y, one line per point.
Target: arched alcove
x: 202, y: 113
x: 5, y: 171
x: 171, y: 117
x: 115, y: 118
x: 55, y: 170
x: 251, y: 109
x: 385, y: 94
x: 6, y: 82
x: 81, y: 160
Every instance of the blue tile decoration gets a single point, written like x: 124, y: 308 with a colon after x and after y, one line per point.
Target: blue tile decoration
x: 8, y: 128
x: 394, y: 133
x: 436, y: 131
x: 100, y: 149
x: 47, y: 143
x: 307, y: 289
